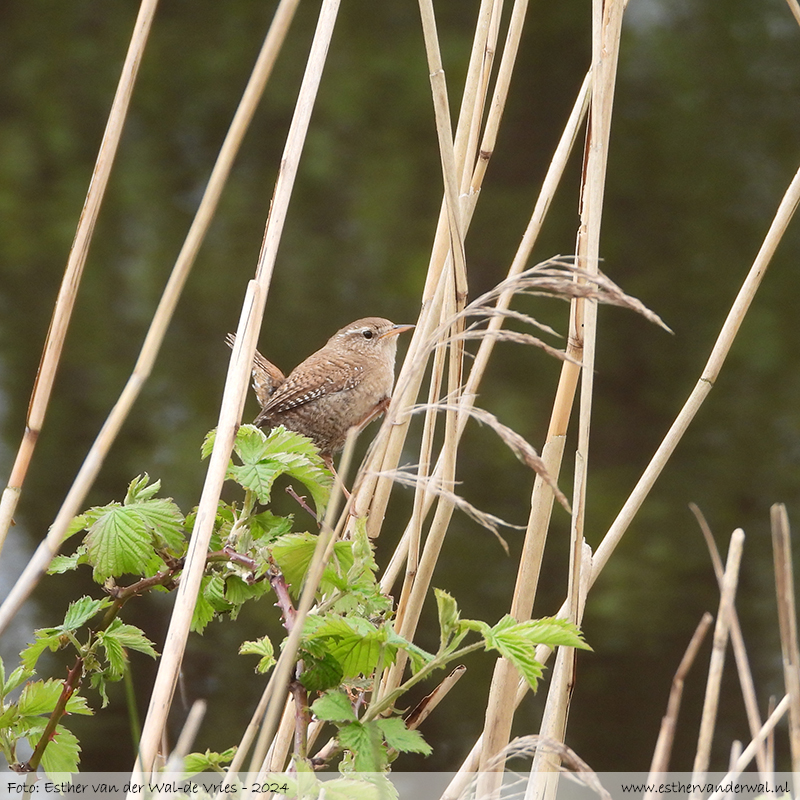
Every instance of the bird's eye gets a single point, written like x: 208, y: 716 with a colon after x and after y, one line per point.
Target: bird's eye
x: 367, y: 333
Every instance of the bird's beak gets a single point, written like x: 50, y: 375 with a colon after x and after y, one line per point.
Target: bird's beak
x: 393, y: 331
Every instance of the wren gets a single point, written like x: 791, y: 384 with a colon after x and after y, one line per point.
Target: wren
x: 345, y: 384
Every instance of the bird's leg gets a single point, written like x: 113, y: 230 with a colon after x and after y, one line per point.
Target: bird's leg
x: 328, y: 459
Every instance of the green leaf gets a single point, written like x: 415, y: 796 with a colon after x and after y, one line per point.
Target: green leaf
x: 320, y: 672
x: 334, y: 706
x: 355, y: 643
x: 238, y: 591
x: 61, y: 563
x: 293, y: 554
x: 164, y: 520
x: 62, y: 753
x: 266, y: 526
x: 399, y: 737
x: 76, y: 525
x: 250, y: 444
x: 365, y: 741
x: 40, y: 697
x: 366, y: 787
x: 260, y: 647
x: 208, y: 761
x: 448, y: 616
x: 208, y: 444
x: 418, y: 657
x: 118, y: 542
x: 44, y: 638
x: 116, y: 638
x: 82, y: 610
x: 258, y: 478
x: 517, y: 642
x: 17, y: 678
x: 203, y: 610
x: 139, y: 491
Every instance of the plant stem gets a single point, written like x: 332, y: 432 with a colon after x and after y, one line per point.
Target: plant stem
x: 71, y: 684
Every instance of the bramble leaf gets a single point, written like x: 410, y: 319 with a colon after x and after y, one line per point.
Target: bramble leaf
x: 62, y: 754
x: 118, y: 542
x: 517, y: 642
x: 208, y: 761
x: 398, y: 736
x: 82, y: 610
x: 365, y: 741
x: 260, y: 647
x: 40, y: 697
x: 334, y: 706
x: 293, y: 554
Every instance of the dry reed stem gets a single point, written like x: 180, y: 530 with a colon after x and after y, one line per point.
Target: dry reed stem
x: 161, y: 319
x: 721, y: 629
x: 749, y: 752
x: 607, y: 21
x: 769, y: 745
x: 794, y: 7
x: 233, y: 402
x: 737, y: 640
x: 373, y: 494
x: 719, y: 352
x: 425, y: 707
x: 65, y: 301
x: 669, y: 722
x: 787, y: 620
x: 187, y: 736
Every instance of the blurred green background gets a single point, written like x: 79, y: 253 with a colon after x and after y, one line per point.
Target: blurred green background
x: 704, y: 142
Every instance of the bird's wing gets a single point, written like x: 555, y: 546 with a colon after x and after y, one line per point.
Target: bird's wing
x: 266, y: 376
x: 319, y: 375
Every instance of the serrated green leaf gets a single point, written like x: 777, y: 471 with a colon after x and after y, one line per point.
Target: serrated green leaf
x: 250, y: 444
x: 399, y: 737
x: 82, y: 610
x: 551, y: 631
x: 448, y: 616
x: 517, y: 642
x: 203, y: 610
x: 9, y: 716
x: 40, y: 697
x: 418, y: 657
x: 62, y: 754
x: 208, y: 444
x: 164, y: 520
x: 355, y: 643
x: 293, y: 554
x: 44, y: 639
x: 365, y: 742
x: 334, y: 706
x: 208, y: 761
x: 118, y: 542
x: 320, y: 672
x: 61, y: 563
x: 260, y: 647
x: 266, y: 526
x: 17, y: 678
x: 238, y: 591
x: 115, y: 639
x: 76, y: 525
x: 258, y: 478
x: 139, y: 491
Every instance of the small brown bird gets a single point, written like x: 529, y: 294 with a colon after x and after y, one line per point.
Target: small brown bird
x: 346, y: 384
